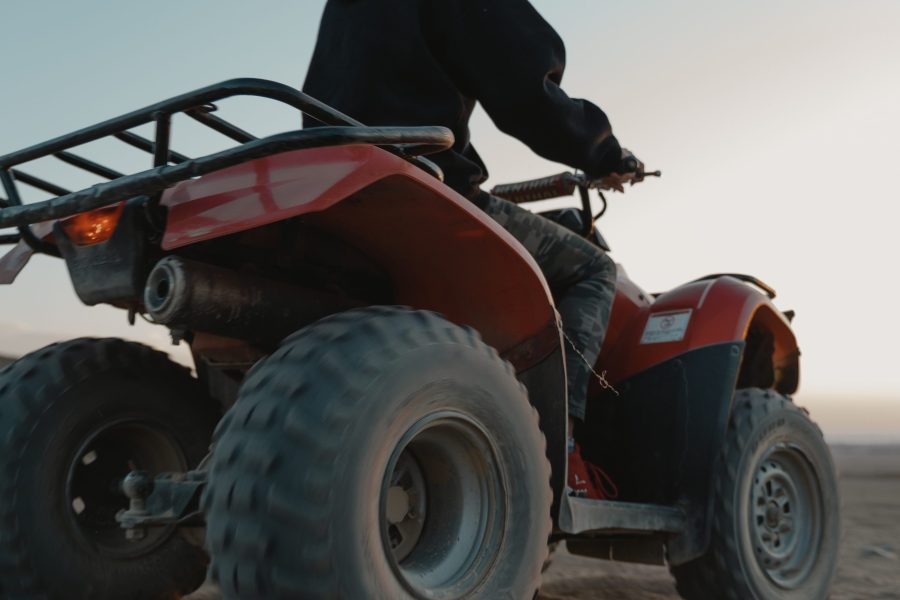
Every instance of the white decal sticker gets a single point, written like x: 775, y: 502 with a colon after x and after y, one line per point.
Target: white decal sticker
x: 666, y: 327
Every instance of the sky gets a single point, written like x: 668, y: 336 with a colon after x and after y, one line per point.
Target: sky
x: 776, y: 125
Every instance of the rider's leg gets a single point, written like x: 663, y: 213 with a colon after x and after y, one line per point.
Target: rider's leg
x: 582, y: 278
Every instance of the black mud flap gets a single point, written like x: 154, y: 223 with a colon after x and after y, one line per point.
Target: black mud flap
x: 659, y: 439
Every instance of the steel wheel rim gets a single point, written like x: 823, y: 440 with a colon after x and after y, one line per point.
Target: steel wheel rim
x: 786, y: 515
x: 453, y: 489
x: 93, y: 497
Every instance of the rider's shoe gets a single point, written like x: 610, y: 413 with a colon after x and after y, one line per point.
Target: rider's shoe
x: 589, y: 481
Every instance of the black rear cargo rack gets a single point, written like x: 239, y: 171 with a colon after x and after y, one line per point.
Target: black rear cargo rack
x: 171, y: 167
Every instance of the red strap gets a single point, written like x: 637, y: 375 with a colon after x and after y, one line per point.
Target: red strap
x: 605, y: 486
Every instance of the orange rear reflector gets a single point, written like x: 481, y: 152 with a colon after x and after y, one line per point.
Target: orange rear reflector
x: 92, y: 227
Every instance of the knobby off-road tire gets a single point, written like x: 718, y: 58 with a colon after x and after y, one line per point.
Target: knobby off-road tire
x: 72, y: 417
x: 776, y: 522
x: 379, y: 453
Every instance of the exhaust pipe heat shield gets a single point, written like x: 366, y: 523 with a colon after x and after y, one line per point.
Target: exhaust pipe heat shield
x: 195, y: 296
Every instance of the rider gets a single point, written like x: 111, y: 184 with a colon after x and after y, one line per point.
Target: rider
x: 427, y: 62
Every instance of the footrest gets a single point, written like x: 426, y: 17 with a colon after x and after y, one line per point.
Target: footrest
x: 579, y: 515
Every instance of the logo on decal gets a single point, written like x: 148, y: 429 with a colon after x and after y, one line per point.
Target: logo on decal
x: 669, y: 326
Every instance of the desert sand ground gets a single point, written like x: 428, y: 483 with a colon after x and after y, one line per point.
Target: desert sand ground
x: 868, y: 569
x: 869, y: 566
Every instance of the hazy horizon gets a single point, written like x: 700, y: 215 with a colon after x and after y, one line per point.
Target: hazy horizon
x: 873, y: 419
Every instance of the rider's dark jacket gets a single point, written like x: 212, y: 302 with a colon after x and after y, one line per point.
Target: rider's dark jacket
x: 426, y: 62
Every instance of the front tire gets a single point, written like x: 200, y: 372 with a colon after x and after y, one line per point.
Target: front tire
x: 380, y: 453
x: 75, y: 417
x: 776, y: 526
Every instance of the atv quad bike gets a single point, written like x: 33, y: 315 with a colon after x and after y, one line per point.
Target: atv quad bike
x: 380, y: 378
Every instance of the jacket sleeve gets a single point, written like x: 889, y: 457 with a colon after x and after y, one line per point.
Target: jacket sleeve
x: 505, y: 55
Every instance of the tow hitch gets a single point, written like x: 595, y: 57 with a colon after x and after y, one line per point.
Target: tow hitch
x: 169, y: 499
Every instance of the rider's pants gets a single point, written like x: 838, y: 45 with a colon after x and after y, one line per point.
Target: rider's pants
x: 582, y: 278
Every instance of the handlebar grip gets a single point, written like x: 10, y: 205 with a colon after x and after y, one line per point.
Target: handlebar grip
x: 544, y: 188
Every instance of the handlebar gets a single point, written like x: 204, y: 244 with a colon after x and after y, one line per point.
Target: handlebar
x: 554, y: 186
x: 563, y: 184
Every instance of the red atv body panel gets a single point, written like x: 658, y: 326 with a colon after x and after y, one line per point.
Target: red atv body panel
x: 721, y: 310
x: 442, y: 253
x: 658, y: 434
x: 440, y: 250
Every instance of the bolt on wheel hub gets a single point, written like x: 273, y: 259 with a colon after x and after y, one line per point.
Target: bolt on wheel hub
x: 443, y: 506
x: 785, y: 516
x: 93, y: 484
x: 405, y: 506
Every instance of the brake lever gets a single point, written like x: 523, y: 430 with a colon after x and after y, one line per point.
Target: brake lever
x: 595, y: 184
x: 584, y: 184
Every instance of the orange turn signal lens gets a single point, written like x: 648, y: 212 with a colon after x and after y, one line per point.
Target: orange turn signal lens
x: 92, y: 227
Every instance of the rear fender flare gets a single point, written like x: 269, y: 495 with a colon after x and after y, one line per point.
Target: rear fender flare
x: 441, y: 252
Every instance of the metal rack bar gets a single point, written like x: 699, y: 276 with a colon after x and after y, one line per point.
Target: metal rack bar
x: 142, y: 143
x: 38, y: 183
x: 210, y: 94
x: 87, y: 165
x: 163, y: 134
x: 408, y: 142
x: 8, y: 238
x: 202, y: 115
x: 15, y: 201
x: 427, y: 139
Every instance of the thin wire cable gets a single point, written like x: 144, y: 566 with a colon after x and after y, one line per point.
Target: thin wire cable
x: 601, y: 377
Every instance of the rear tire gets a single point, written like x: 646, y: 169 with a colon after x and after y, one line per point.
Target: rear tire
x: 379, y: 453
x: 72, y: 417
x: 776, y: 525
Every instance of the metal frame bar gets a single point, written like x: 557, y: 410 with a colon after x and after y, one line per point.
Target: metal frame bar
x: 142, y: 143
x: 202, y: 115
x: 13, y: 202
x: 159, y: 178
x: 163, y: 135
x: 170, y: 167
x: 87, y: 165
x: 38, y: 183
